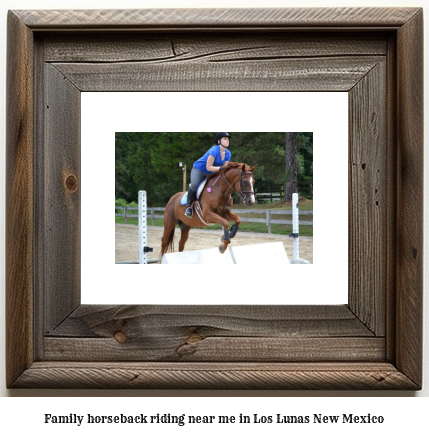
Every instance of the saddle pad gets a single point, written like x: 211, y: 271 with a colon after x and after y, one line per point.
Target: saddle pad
x: 200, y: 188
x: 184, y: 199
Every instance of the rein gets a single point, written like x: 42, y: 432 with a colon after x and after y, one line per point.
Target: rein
x: 243, y: 194
x: 210, y: 188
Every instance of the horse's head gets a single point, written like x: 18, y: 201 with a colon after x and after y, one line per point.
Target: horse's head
x: 239, y: 178
x: 245, y: 184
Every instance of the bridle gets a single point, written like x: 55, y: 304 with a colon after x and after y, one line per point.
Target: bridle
x: 243, y: 194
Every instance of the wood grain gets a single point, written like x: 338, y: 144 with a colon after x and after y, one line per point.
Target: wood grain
x: 61, y: 186
x: 186, y: 19
x: 248, y: 376
x: 173, y: 348
x: 302, y: 74
x: 213, y: 334
x: 409, y: 273
x: 179, y: 47
x: 367, y: 199
x: 391, y: 193
x: 99, y: 321
x: 19, y: 200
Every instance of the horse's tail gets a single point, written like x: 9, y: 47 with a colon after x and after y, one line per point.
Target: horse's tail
x: 167, y: 241
x: 170, y: 242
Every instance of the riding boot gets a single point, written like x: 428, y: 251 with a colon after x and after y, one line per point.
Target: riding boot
x: 191, y: 197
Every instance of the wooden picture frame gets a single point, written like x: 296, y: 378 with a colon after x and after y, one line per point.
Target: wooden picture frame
x: 373, y: 342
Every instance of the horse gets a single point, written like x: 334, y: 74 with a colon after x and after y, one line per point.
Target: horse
x: 215, y: 206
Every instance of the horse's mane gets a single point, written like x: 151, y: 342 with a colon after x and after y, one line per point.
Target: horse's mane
x: 230, y: 166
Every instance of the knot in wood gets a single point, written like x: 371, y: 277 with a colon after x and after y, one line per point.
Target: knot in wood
x: 120, y: 337
x: 71, y: 183
x: 193, y: 338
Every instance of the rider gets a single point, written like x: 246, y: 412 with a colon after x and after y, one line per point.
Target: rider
x: 217, y: 158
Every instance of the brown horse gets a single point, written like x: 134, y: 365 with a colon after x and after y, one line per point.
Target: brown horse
x: 215, y: 201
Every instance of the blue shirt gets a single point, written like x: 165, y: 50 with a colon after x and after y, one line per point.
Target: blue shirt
x: 201, y: 163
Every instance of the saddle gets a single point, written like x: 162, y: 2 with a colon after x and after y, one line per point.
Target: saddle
x: 184, y: 199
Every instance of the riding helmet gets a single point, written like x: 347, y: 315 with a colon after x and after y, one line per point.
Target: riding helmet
x: 221, y: 135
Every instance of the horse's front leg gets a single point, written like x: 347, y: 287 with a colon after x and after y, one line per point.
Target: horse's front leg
x: 237, y: 221
x: 213, y: 217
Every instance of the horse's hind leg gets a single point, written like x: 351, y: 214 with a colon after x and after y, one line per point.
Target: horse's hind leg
x: 184, y: 229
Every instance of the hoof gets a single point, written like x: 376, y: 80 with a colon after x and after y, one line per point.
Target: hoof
x: 221, y: 249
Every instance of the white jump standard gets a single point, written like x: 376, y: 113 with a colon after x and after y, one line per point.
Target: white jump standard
x: 143, y: 248
x: 295, y: 232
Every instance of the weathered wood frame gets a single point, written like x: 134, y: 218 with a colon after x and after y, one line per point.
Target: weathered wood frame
x: 374, y: 342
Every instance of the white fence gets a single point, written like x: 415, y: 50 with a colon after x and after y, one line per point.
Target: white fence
x: 268, y: 215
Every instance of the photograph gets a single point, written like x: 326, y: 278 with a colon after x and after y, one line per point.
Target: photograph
x: 206, y: 194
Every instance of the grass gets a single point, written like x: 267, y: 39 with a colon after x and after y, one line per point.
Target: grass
x: 278, y: 229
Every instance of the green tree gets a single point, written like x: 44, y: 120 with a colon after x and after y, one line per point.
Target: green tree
x: 291, y: 153
x: 150, y: 160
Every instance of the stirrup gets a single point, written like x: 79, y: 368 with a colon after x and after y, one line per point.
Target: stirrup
x: 189, y: 212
